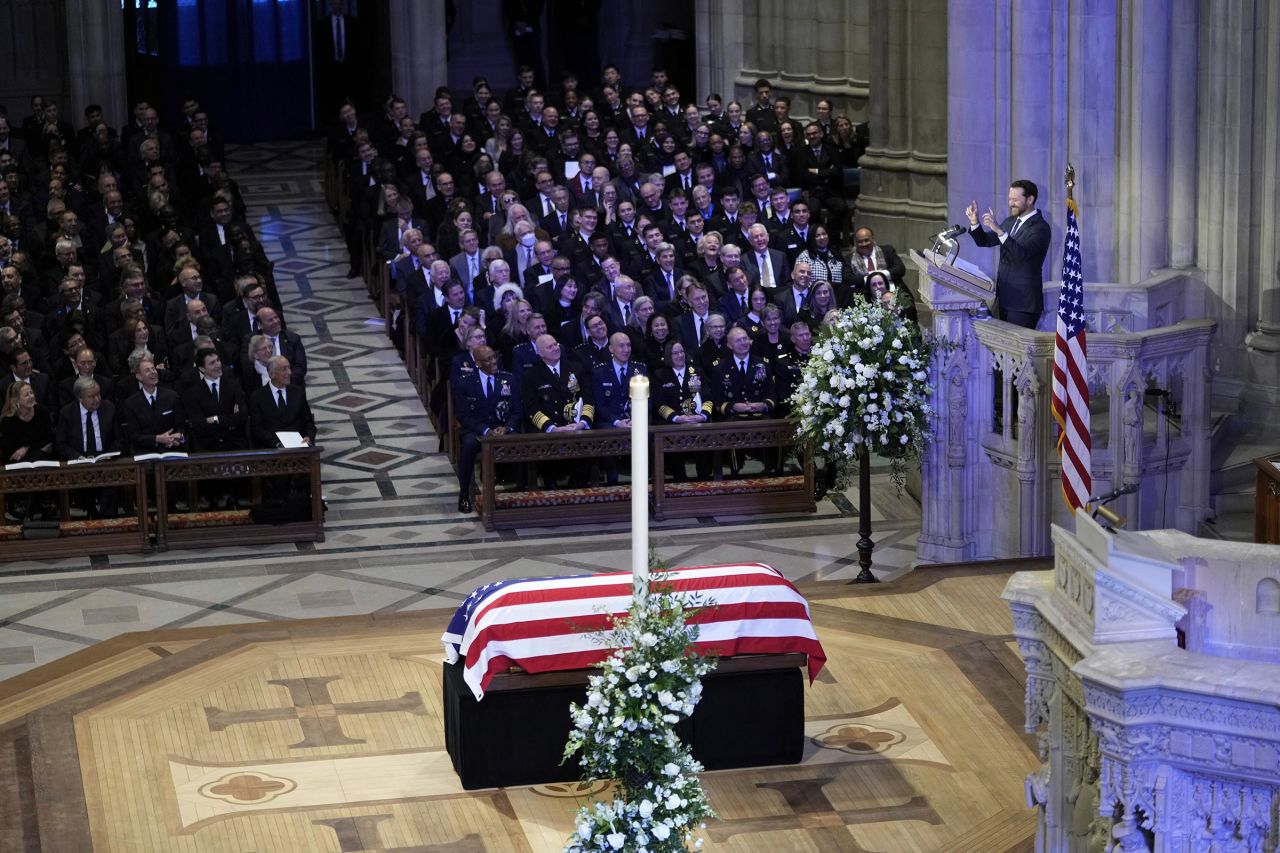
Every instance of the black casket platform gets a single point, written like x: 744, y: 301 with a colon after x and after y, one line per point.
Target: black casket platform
x: 751, y: 715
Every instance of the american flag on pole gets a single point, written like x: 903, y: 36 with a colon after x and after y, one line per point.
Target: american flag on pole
x: 547, y: 624
x: 1071, y: 373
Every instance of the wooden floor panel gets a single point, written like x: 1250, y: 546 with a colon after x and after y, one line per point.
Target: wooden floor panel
x: 327, y: 738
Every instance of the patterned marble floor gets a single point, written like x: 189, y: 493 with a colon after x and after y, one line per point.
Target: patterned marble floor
x: 394, y: 540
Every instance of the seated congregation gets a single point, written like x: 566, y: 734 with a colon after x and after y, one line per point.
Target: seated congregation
x: 140, y: 313
x: 535, y: 253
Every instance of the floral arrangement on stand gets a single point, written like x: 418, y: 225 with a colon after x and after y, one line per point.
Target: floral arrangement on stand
x: 626, y: 732
x: 866, y: 383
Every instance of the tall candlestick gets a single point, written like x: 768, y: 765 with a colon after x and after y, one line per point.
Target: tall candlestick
x: 640, y: 486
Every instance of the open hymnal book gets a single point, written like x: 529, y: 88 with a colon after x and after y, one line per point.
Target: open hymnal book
x: 101, y: 457
x: 166, y: 454
x: 43, y: 463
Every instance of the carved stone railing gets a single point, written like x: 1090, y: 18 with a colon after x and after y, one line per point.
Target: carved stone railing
x: 1144, y: 745
x: 992, y: 478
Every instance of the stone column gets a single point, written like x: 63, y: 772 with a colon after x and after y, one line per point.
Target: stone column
x: 1263, y: 343
x: 1143, y: 108
x: 95, y: 58
x: 720, y: 30
x: 1237, y: 92
x: 904, y: 172
x: 419, y: 52
x: 1183, y: 121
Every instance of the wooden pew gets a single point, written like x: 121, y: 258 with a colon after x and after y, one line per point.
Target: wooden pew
x: 717, y: 495
x: 132, y: 533
x: 194, y: 529
x: 79, y: 537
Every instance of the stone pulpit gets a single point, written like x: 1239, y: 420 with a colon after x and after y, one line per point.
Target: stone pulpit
x: 1153, y: 685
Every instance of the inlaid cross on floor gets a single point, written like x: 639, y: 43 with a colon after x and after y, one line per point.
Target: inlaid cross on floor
x: 316, y: 712
x: 355, y: 833
x: 813, y: 812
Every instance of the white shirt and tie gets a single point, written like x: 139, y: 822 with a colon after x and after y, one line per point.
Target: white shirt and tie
x: 1017, y: 224
x: 767, y: 278
x: 92, y: 438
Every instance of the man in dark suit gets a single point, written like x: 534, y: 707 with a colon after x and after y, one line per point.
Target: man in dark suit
x: 86, y: 427
x: 284, y: 342
x: 796, y: 236
x: 21, y: 369
x: 820, y: 176
x: 153, y: 417
x: 870, y: 256
x: 768, y: 162
x: 486, y: 402
x: 692, y: 327
x: 617, y: 312
x: 559, y: 223
x: 638, y: 134
x: 192, y: 283
x: 682, y: 178
x: 1023, y: 237
x: 661, y: 283
x: 793, y: 300
x: 280, y: 406
x: 737, y: 301
x: 763, y: 264
x: 240, y: 318
x: 215, y: 409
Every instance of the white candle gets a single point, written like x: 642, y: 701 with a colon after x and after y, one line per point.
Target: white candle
x: 640, y: 486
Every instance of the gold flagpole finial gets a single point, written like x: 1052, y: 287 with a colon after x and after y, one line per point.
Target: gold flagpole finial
x: 1070, y: 180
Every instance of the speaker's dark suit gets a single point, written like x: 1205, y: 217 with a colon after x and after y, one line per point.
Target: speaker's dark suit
x: 266, y: 417
x: 1020, y: 277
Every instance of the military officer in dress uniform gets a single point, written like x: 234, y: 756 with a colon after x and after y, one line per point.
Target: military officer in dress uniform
x: 743, y: 388
x: 557, y: 397
x: 611, y: 382
x: 611, y: 388
x: 557, y: 393
x: 678, y: 399
x: 487, y: 405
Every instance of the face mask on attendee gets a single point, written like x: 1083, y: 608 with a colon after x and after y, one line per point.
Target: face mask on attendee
x: 528, y: 240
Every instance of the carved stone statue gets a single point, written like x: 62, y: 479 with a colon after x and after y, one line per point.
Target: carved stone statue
x: 1037, y: 788
x: 1133, y: 428
x: 955, y: 411
x: 1026, y: 422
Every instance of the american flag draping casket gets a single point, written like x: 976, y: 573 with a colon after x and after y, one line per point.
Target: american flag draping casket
x: 547, y: 624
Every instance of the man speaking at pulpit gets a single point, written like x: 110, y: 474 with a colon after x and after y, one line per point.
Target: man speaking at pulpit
x: 1023, y: 237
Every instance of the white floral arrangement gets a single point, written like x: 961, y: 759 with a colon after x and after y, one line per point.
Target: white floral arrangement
x: 866, y: 382
x: 626, y: 732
